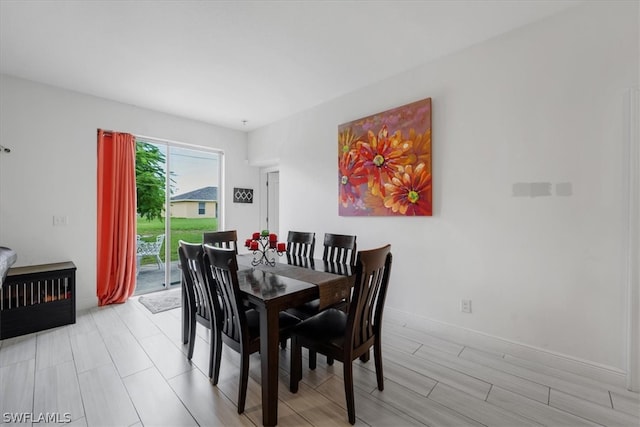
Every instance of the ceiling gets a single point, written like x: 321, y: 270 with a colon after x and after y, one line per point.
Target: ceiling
x: 241, y: 64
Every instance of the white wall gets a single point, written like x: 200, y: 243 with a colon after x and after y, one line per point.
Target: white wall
x: 540, y: 104
x: 51, y: 170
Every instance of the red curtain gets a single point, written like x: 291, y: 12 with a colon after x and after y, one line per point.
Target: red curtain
x: 116, y: 263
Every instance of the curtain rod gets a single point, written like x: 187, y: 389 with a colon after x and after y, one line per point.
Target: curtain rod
x: 168, y: 141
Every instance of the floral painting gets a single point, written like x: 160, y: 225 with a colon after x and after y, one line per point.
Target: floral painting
x: 384, y: 163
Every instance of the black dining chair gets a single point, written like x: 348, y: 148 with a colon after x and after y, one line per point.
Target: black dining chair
x: 240, y: 327
x: 198, y: 301
x: 222, y: 239
x: 301, y: 244
x: 348, y: 336
x: 338, y: 249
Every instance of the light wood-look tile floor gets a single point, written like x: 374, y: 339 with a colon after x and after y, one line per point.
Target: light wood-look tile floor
x: 123, y: 366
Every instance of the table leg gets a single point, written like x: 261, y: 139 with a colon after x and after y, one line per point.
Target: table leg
x: 269, y: 340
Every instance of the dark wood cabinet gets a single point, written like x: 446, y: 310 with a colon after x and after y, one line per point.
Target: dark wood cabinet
x: 38, y: 297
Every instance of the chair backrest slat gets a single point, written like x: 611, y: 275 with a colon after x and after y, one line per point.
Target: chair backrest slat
x: 373, y: 269
x: 221, y: 267
x: 196, y: 286
x: 301, y: 244
x: 339, y: 248
x: 221, y: 239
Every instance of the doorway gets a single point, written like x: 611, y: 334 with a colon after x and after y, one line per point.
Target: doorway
x: 178, y: 199
x: 273, y: 201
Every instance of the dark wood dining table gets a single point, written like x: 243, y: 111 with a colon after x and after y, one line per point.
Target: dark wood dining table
x: 289, y: 283
x: 292, y: 281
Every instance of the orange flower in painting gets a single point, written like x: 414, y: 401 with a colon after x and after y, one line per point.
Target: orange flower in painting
x: 346, y: 140
x: 421, y: 149
x: 409, y: 191
x: 351, y: 174
x: 382, y: 157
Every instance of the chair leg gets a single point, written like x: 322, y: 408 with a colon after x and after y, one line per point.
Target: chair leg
x: 296, y: 365
x: 244, y: 381
x: 283, y: 343
x: 192, y: 334
x: 329, y: 361
x: 377, y: 356
x: 216, y: 355
x: 313, y: 359
x: 365, y: 357
x: 348, y: 391
x: 159, y: 262
x: 186, y: 321
x: 212, y: 351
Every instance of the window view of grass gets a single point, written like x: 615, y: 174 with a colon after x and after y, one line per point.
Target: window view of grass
x: 187, y: 229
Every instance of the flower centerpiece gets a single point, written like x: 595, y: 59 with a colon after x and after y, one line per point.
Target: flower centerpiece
x: 265, y: 246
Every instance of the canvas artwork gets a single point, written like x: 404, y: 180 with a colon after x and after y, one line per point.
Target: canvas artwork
x: 384, y: 163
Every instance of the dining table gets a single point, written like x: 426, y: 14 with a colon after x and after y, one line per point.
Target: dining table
x: 292, y: 281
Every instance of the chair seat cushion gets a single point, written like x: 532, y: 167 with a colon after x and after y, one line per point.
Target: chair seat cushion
x: 287, y: 321
x: 312, y: 308
x: 305, y: 310
x: 328, y: 326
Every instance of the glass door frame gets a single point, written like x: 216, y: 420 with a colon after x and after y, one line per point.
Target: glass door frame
x: 168, y: 144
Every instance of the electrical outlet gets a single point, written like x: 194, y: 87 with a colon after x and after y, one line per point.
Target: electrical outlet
x: 465, y: 306
x: 60, y: 220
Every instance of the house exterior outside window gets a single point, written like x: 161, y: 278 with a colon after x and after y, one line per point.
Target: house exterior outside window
x: 199, y: 203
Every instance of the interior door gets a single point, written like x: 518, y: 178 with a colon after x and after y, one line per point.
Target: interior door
x: 273, y: 201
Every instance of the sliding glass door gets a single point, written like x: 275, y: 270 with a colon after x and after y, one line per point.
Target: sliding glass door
x: 194, y: 203
x: 178, y: 199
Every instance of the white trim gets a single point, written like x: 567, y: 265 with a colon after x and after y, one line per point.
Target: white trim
x: 264, y: 195
x: 172, y: 143
x: 631, y: 236
x: 494, y: 344
x: 222, y: 192
x: 167, y: 214
x: 269, y: 169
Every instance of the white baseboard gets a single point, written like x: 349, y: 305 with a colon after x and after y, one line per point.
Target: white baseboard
x: 494, y: 344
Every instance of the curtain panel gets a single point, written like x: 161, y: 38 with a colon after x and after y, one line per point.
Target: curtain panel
x: 116, y: 251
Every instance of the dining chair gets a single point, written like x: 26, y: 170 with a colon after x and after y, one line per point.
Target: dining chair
x: 222, y: 239
x: 199, y: 297
x: 240, y: 327
x: 347, y: 336
x: 299, y: 261
x: 301, y: 244
x: 338, y: 249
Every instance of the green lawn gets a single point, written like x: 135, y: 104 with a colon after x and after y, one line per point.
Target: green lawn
x: 187, y: 229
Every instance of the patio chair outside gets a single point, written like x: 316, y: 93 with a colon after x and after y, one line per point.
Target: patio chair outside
x: 144, y: 249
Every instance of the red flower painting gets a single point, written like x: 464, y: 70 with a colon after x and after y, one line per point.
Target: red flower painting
x: 384, y: 163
